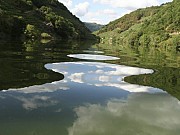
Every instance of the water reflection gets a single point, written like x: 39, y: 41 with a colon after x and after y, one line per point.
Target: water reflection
x: 91, y: 99
x: 141, y: 114
x: 35, y: 102
x: 22, y: 63
x: 101, y: 75
x: 93, y: 52
x: 91, y: 74
x: 92, y: 57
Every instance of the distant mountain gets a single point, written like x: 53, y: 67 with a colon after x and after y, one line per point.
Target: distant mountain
x: 39, y: 19
x: 93, y: 26
x: 157, y: 26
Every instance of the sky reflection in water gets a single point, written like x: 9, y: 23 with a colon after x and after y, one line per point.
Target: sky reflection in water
x: 91, y: 99
x: 141, y: 114
x: 92, y: 57
x: 93, y: 74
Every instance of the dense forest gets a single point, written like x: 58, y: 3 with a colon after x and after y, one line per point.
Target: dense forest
x: 93, y: 26
x: 157, y: 26
x: 35, y: 19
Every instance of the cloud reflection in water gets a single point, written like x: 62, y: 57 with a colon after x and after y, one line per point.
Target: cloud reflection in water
x: 35, y: 102
x: 92, y: 57
x: 110, y: 107
x: 101, y: 75
x: 141, y: 114
x: 92, y: 73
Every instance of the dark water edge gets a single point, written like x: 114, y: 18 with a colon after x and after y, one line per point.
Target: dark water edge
x: 22, y: 63
x: 167, y: 79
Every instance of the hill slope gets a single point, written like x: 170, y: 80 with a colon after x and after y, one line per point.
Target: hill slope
x: 39, y: 18
x: 93, y: 26
x: 154, y: 26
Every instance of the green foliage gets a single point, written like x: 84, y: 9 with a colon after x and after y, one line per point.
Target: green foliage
x: 23, y: 5
x: 153, y: 26
x: 47, y: 16
x: 163, y: 59
x: 10, y: 26
x: 167, y: 79
x: 45, y: 36
x: 144, y: 40
x: 28, y: 2
x: 62, y: 26
x: 93, y: 26
x: 40, y: 3
x: 31, y: 32
x: 129, y: 20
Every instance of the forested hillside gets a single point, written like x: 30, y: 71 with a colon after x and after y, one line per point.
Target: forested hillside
x: 39, y: 19
x: 93, y: 26
x: 157, y: 26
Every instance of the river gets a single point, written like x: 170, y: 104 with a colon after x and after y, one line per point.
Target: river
x: 74, y: 88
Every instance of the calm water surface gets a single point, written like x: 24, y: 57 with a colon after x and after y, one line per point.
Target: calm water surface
x: 75, y: 89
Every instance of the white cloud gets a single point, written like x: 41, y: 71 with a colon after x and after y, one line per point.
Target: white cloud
x: 48, y: 87
x: 104, y: 16
x: 101, y: 16
x: 95, y: 20
x: 93, y: 17
x: 129, y: 4
x: 104, y: 78
x: 125, y: 86
x: 76, y: 77
x: 99, y: 72
x: 103, y: 75
x: 141, y: 114
x: 112, y: 14
x: 165, y: 1
x: 36, y: 102
x: 124, y: 13
x: 81, y: 9
x: 109, y: 12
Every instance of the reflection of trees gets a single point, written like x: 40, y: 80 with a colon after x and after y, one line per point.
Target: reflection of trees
x: 23, y: 63
x: 144, y: 56
x: 23, y: 67
x: 165, y: 60
x: 23, y: 74
x: 166, y: 78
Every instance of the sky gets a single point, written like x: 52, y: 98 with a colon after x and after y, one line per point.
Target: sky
x: 104, y: 11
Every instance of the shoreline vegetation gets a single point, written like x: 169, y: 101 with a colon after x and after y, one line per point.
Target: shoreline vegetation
x: 157, y: 26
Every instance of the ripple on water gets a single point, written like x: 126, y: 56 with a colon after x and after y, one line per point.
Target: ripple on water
x: 92, y: 57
